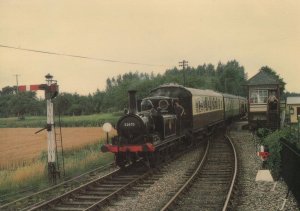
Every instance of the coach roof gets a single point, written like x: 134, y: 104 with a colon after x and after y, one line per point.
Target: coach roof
x: 190, y: 91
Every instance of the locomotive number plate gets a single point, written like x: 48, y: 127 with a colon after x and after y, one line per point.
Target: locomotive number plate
x: 129, y: 124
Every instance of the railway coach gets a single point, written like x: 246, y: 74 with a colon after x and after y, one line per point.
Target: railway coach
x: 202, y: 108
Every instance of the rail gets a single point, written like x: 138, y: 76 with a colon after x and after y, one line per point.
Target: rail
x: 45, y: 191
x: 188, y: 182
x: 224, y: 171
x: 230, y: 192
x: 100, y: 194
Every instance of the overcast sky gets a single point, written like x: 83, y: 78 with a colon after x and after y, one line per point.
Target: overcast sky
x: 254, y: 32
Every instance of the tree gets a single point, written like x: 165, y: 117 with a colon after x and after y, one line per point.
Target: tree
x: 272, y: 72
x: 98, y: 100
x: 228, y: 78
x: 24, y: 103
x: 231, y: 78
x: 9, y: 90
x: 62, y: 103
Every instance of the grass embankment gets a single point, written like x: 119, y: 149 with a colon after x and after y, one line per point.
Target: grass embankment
x: 94, y: 120
x: 34, y: 175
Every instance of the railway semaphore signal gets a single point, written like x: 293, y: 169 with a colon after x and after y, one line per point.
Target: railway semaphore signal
x: 54, y: 139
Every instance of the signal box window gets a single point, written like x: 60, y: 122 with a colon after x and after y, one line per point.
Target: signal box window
x: 258, y: 96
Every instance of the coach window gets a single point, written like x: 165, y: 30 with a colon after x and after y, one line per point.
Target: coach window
x: 201, y: 104
x: 215, y: 103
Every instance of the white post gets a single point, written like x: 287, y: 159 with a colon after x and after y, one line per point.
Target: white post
x: 52, y: 168
x: 50, y: 132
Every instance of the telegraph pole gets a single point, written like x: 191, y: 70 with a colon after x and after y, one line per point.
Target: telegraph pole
x: 183, y: 64
x: 17, y: 80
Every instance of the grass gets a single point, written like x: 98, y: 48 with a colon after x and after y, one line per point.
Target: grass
x: 66, y: 121
x: 34, y: 175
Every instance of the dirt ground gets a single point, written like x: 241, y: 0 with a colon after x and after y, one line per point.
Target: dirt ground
x: 21, y: 144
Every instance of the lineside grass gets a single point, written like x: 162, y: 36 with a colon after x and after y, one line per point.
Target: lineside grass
x: 66, y: 121
x: 33, y: 176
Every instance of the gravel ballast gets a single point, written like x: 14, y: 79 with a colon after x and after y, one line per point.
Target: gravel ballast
x: 256, y: 195
x: 154, y: 197
x: 250, y: 194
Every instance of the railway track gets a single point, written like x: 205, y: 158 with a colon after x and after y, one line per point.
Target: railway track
x: 98, y: 193
x: 94, y: 194
x: 150, y: 193
x: 40, y: 196
x: 210, y: 186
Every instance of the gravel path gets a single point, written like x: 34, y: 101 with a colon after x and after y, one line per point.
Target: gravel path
x: 154, y: 197
x: 254, y: 195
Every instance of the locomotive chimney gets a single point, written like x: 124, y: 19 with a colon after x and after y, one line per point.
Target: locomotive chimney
x: 132, y: 101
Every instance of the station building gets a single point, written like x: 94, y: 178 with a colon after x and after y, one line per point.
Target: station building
x: 293, y: 106
x: 264, y: 100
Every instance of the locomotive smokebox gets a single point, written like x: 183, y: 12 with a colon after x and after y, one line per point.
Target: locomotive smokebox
x: 132, y: 101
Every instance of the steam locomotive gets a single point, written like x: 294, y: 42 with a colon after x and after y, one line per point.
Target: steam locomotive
x: 170, y: 118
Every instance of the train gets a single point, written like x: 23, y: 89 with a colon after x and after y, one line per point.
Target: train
x: 169, y: 119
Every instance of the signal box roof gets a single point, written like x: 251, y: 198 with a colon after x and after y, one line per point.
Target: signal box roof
x: 263, y: 78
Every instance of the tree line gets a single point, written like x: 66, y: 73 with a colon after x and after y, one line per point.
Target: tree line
x: 228, y: 78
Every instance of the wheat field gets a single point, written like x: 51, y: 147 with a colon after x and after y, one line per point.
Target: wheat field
x: 22, y: 145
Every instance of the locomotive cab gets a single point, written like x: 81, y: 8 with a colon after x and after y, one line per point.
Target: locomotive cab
x: 161, y: 113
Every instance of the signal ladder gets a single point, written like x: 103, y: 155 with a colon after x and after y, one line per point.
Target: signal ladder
x: 59, y: 148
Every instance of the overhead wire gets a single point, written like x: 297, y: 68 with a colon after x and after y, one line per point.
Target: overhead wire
x: 77, y: 56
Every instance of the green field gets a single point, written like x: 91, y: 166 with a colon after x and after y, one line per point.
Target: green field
x: 66, y: 121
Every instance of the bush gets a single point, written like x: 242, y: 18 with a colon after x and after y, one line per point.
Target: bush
x: 272, y: 141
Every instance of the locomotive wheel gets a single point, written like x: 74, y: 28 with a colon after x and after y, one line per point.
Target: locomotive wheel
x: 133, y: 157
x: 154, y: 159
x: 121, y: 160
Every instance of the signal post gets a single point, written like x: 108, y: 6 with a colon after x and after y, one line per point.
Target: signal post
x: 51, y: 91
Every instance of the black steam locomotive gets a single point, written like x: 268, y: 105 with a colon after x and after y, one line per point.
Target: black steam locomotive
x: 171, y: 117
